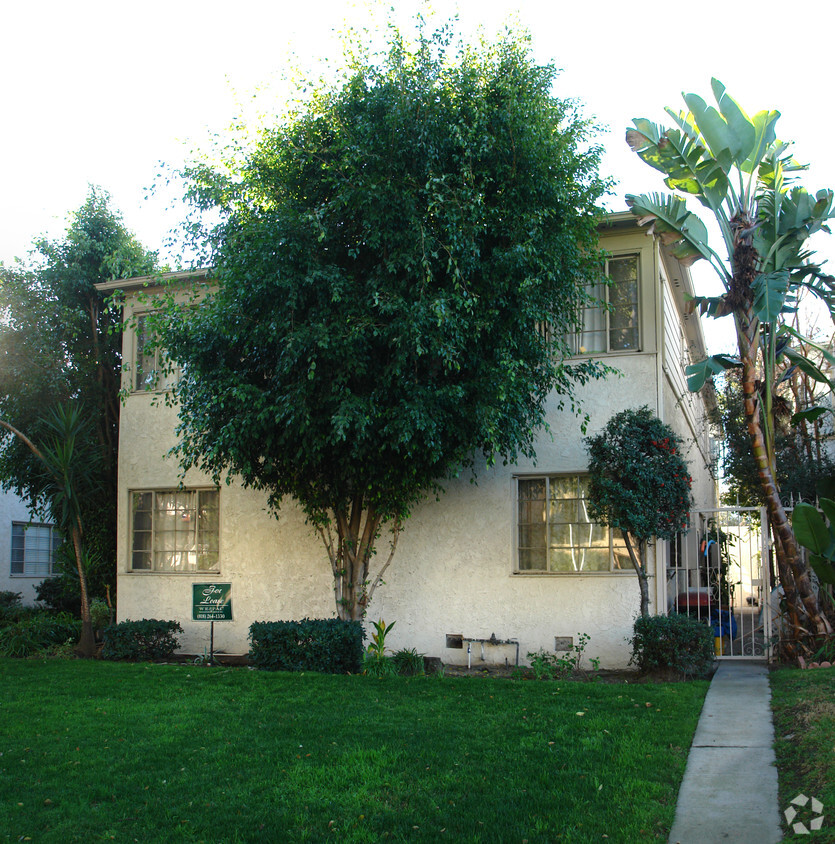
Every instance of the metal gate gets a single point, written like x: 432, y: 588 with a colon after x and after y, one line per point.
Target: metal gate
x: 719, y: 573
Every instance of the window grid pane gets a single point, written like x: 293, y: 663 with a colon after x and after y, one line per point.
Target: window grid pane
x: 175, y: 530
x: 560, y: 537
x: 610, y: 323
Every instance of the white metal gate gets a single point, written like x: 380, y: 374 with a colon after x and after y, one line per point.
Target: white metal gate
x: 719, y: 572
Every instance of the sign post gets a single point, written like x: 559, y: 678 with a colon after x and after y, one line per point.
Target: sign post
x: 211, y: 602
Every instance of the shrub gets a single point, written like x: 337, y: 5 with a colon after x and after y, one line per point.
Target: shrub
x: 408, y: 662
x: 10, y: 606
x: 137, y: 641
x: 37, y: 633
x: 674, y: 643
x: 61, y: 593
x: 99, y: 614
x: 329, y: 645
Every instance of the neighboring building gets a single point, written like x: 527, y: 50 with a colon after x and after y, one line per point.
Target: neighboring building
x: 489, y: 559
x: 27, y: 548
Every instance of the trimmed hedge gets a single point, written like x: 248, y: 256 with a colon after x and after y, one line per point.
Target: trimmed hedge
x: 141, y: 641
x: 675, y: 643
x: 328, y: 645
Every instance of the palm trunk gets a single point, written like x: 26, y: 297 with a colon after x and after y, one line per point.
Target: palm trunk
x: 747, y: 329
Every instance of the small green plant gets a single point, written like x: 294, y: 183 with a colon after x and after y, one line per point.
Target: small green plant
x: 375, y: 663
x: 674, y: 643
x: 146, y: 640
x: 378, y: 640
x: 378, y: 666
x: 825, y: 652
x: 99, y: 613
x: 552, y: 666
x: 408, y: 662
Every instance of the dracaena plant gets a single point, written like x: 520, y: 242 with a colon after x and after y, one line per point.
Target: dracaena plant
x: 745, y: 178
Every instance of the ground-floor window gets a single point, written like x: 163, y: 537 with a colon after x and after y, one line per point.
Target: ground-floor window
x: 555, y: 534
x: 175, y: 530
x: 33, y: 549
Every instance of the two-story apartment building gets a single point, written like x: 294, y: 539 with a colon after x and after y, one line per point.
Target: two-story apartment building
x: 513, y: 556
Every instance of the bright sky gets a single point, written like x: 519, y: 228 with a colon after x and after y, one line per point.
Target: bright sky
x: 101, y: 92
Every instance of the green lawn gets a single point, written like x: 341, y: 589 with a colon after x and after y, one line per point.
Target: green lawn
x: 804, y: 726
x: 107, y: 751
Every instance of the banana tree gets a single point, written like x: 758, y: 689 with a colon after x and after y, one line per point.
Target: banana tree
x: 743, y: 176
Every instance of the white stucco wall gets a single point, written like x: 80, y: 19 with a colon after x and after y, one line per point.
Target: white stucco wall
x: 453, y: 571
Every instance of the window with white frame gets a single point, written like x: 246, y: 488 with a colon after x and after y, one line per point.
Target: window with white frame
x: 151, y: 369
x: 33, y: 549
x: 555, y: 534
x: 175, y: 530
x: 611, y: 320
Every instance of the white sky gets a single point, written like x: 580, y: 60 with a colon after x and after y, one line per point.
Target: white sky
x: 101, y: 92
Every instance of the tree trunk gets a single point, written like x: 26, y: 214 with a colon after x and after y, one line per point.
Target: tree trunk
x: 640, y: 569
x: 350, y: 553
x: 86, y: 647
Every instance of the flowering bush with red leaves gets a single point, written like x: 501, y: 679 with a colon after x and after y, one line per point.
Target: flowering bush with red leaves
x: 639, y: 481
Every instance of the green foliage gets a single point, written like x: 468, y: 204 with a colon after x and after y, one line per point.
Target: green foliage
x: 38, y: 633
x: 99, y: 613
x: 59, y: 342
x: 329, y: 645
x: 675, y: 643
x: 146, y: 640
x: 385, y: 259
x: 817, y: 534
x: 408, y: 662
x: 60, y: 592
x: 557, y: 666
x: 375, y: 662
x: 9, y: 600
x: 639, y: 481
x: 802, y: 456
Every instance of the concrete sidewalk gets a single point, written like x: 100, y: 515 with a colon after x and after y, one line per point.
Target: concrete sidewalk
x: 729, y: 791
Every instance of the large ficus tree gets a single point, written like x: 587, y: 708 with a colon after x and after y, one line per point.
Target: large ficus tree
x: 743, y: 177
x: 639, y: 484
x: 386, y: 260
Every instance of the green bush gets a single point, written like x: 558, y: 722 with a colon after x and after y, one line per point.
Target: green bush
x: 138, y: 641
x: 38, y: 632
x: 60, y: 592
x: 674, y: 643
x: 329, y: 645
x: 408, y: 662
x: 10, y: 606
x: 99, y: 614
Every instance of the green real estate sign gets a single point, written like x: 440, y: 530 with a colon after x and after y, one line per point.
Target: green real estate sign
x: 211, y: 602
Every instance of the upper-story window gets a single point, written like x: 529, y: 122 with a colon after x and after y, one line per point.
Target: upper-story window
x: 611, y: 323
x: 151, y: 370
